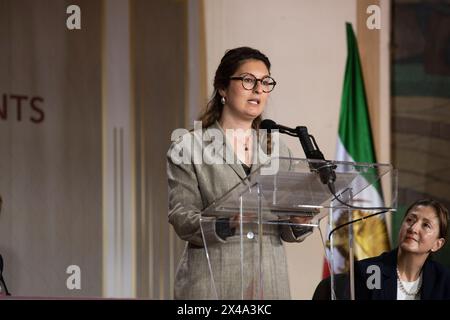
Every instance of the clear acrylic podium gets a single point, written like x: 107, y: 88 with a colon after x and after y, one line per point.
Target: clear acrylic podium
x: 272, y: 205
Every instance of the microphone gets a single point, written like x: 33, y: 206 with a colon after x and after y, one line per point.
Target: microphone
x: 309, y: 145
x: 269, y: 125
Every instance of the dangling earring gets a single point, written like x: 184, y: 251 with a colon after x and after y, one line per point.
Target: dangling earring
x: 222, y: 100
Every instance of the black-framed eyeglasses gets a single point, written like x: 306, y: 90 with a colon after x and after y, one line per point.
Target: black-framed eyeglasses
x: 249, y: 82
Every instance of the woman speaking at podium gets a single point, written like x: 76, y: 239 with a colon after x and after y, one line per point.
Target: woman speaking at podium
x: 242, y: 85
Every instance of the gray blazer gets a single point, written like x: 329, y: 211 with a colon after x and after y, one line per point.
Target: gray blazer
x: 192, y: 187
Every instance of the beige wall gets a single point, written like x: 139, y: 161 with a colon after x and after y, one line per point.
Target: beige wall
x: 50, y: 171
x: 306, y: 43
x: 159, y: 52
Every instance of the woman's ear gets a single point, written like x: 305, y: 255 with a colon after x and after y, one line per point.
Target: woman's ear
x: 438, y: 244
x: 222, y: 93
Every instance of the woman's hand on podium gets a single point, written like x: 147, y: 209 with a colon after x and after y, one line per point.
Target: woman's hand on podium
x: 300, y: 219
x: 246, y: 218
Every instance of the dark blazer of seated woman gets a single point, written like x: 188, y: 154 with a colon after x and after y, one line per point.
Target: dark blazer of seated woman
x: 435, y: 279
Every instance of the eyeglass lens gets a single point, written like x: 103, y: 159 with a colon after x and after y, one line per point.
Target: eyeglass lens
x: 249, y: 82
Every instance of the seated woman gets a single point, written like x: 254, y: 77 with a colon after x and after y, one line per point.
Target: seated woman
x: 408, y: 272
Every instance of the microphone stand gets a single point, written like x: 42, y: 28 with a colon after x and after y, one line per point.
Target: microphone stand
x: 312, y: 152
x: 2, y: 281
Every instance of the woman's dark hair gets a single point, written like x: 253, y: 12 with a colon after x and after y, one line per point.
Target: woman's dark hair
x: 230, y: 62
x: 441, y: 212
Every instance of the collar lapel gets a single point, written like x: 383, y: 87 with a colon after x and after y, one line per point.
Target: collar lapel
x: 428, y: 278
x: 389, y: 271
x: 259, y: 155
x: 225, y: 149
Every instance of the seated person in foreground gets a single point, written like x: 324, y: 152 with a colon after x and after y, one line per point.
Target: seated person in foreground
x: 408, y: 272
